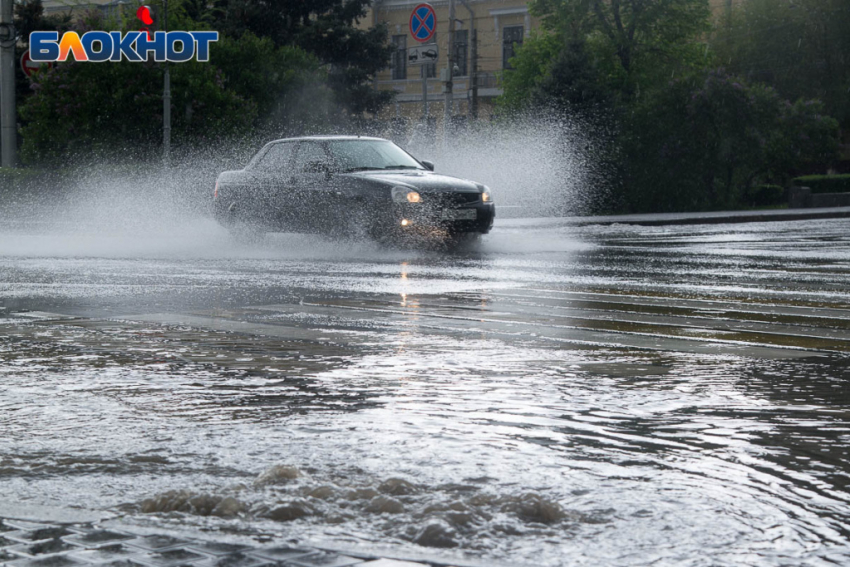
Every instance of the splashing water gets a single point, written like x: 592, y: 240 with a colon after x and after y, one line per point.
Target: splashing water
x: 533, y: 166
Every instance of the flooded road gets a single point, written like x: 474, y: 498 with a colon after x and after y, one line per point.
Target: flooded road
x: 557, y: 395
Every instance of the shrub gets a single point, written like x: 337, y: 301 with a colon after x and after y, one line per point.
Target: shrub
x: 703, y: 140
x: 766, y: 195
x: 825, y: 183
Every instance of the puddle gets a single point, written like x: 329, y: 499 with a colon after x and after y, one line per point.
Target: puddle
x: 618, y: 395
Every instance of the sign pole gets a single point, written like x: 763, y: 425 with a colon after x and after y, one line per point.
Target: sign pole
x: 166, y: 101
x: 473, y: 109
x: 424, y: 71
x: 449, y: 72
x: 475, y: 73
x: 8, y: 120
x: 423, y: 24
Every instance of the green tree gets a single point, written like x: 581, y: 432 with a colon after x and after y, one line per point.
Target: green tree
x: 637, y: 41
x: 29, y: 17
x: 684, y: 138
x: 250, y: 87
x: 573, y: 82
x: 324, y: 28
x: 798, y: 46
x: 114, y: 110
x: 287, y: 84
x: 529, y: 67
x: 703, y: 142
x: 599, y: 56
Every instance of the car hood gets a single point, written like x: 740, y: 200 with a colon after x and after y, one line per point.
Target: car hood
x: 426, y: 181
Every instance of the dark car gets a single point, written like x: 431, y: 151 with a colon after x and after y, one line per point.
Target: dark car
x: 346, y: 185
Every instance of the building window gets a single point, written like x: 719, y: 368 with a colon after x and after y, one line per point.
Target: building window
x: 399, y: 61
x: 461, y: 47
x: 511, y: 38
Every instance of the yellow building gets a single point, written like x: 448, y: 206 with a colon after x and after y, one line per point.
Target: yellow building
x: 486, y: 35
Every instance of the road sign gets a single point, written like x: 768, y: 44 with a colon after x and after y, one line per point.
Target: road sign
x: 422, y: 54
x: 423, y: 23
x: 28, y: 66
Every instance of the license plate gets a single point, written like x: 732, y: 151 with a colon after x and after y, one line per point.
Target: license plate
x: 459, y: 214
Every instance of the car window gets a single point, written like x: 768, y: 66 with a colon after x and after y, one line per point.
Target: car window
x: 277, y: 157
x: 370, y: 154
x: 309, y: 155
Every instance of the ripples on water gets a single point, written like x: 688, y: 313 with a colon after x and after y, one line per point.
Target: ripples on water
x: 528, y: 453
x: 417, y: 437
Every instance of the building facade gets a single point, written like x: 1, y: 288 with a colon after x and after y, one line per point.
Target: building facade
x: 487, y: 33
x: 109, y: 8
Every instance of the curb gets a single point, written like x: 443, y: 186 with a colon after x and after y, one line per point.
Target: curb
x: 671, y: 219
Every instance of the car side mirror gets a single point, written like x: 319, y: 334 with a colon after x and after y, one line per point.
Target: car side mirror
x: 428, y: 164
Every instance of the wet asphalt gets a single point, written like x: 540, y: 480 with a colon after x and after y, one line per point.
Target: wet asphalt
x: 556, y: 394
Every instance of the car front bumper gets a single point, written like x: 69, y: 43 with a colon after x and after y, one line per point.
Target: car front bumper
x: 476, y: 217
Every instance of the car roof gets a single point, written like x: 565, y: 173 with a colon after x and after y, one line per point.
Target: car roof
x: 326, y: 138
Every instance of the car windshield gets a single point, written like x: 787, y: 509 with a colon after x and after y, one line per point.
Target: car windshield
x: 360, y: 155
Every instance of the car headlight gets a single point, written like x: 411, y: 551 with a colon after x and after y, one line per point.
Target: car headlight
x: 405, y: 195
x: 485, y: 195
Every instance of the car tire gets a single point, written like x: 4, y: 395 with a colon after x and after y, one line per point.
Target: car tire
x: 240, y: 230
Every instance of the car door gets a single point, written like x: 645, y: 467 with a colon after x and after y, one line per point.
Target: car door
x: 314, y: 181
x: 273, y: 192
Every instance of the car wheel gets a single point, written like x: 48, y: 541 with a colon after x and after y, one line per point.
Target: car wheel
x: 240, y: 230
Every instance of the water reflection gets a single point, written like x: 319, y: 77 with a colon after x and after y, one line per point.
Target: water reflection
x: 639, y: 396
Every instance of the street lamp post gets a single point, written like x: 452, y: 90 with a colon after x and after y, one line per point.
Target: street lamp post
x: 450, y: 73
x: 8, y: 121
x: 166, y: 101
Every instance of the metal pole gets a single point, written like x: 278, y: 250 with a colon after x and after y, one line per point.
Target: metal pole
x: 450, y: 72
x: 8, y: 120
x: 474, y: 74
x: 166, y: 101
x: 474, y: 105
x: 166, y: 119
x: 423, y: 69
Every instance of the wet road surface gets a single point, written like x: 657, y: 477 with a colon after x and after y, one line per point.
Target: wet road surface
x: 557, y: 395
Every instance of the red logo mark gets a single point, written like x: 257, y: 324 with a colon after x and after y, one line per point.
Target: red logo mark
x: 144, y: 14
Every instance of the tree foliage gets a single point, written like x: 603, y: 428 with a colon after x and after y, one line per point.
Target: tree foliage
x: 325, y: 28
x: 529, y: 68
x: 287, y: 84
x: 706, y: 141
x: 685, y: 136
x: 278, y: 68
x: 30, y: 17
x: 800, y: 47
x: 115, y: 109
x: 632, y: 38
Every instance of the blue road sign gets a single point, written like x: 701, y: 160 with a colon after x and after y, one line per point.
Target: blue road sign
x: 423, y: 23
